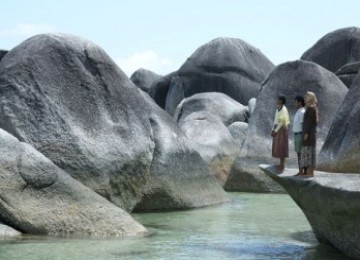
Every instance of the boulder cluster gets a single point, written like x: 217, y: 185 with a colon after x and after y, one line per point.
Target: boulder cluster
x: 83, y: 145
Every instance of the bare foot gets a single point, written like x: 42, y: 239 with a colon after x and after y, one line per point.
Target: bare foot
x: 299, y: 174
x: 308, y: 175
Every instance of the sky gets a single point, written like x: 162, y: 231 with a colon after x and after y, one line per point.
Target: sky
x: 160, y: 35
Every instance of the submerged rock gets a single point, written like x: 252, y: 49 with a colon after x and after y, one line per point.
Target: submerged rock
x: 37, y: 197
x: 226, y: 65
x: 144, y: 79
x: 336, y: 49
x: 330, y: 202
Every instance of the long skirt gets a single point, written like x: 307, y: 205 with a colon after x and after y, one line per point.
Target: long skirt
x: 308, y: 156
x: 280, y: 145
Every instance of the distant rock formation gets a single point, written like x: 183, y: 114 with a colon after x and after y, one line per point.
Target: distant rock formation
x: 144, y: 79
x: 226, y: 65
x: 335, y: 49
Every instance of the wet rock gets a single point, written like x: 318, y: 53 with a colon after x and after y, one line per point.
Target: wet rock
x: 330, y: 202
x: 341, y: 150
x: 226, y: 65
x: 289, y: 79
x: 336, y: 49
x: 144, y: 79
x: 37, y: 197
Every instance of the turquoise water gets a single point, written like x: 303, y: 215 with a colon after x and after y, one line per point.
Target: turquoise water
x: 251, y: 226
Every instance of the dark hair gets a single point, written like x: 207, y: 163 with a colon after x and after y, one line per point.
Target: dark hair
x: 282, y: 99
x: 300, y: 99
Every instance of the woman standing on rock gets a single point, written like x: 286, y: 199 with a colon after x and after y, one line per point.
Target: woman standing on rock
x: 280, y: 145
x: 308, y: 151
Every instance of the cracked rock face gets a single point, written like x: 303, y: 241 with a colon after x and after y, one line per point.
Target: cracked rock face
x: 226, y: 65
x: 330, y: 202
x: 37, y: 197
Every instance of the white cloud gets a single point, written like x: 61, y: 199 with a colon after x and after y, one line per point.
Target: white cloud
x: 148, y: 60
x: 27, y: 29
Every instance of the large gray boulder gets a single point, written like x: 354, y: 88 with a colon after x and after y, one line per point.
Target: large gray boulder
x: 238, y: 131
x: 39, y: 198
x: 226, y: 65
x: 68, y: 99
x: 217, y: 104
x: 341, y: 150
x: 159, y: 89
x: 144, y: 79
x: 180, y: 178
x: 330, y: 202
x: 335, y: 49
x: 204, y: 118
x: 289, y: 79
x: 348, y: 72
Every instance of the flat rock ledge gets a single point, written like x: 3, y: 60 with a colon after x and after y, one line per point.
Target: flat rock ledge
x: 330, y: 202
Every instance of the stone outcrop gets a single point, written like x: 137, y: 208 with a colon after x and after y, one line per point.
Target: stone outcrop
x: 341, y: 150
x: 160, y: 88
x: 336, y: 49
x: 6, y: 231
x: 288, y: 79
x: 348, y: 72
x: 68, y: 99
x: 2, y: 53
x: 204, y: 118
x: 226, y: 65
x: 144, y: 79
x: 37, y: 197
x: 330, y: 202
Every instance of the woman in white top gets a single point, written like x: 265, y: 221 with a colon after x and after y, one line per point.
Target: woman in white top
x: 280, y: 145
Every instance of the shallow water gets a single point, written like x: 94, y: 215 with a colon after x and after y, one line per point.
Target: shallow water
x: 251, y: 226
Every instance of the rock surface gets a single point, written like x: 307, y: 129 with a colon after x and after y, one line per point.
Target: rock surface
x: 6, y: 231
x: 180, y: 178
x: 238, y: 131
x: 2, y: 53
x: 39, y: 198
x: 341, y: 150
x: 144, y: 79
x: 159, y: 89
x: 68, y: 99
x: 226, y: 65
x: 348, y: 72
x: 204, y: 118
x: 336, y: 49
x: 330, y: 202
x: 288, y: 79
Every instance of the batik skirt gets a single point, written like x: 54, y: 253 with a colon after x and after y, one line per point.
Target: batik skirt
x: 280, y: 145
x: 308, y: 156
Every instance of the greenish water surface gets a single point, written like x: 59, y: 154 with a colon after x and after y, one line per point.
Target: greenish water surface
x: 251, y: 226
